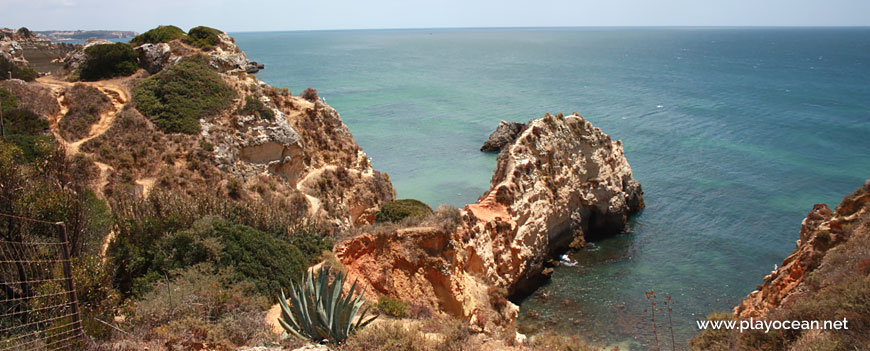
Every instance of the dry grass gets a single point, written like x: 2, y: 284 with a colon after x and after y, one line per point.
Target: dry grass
x: 86, y: 104
x: 33, y: 97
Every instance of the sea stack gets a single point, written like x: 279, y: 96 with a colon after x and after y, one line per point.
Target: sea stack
x: 560, y: 183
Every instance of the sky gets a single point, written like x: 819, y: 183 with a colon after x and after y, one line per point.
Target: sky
x: 279, y: 15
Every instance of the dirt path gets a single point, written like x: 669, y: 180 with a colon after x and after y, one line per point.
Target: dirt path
x: 306, y: 190
x: 113, y: 89
x: 119, y: 96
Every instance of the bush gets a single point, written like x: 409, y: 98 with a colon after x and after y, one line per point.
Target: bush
x: 201, y: 307
x: 23, y: 72
x: 392, y: 307
x: 143, y: 248
x: 86, y: 105
x: 161, y: 34
x: 203, y: 37
x: 177, y: 97
x: 24, y: 129
x: 234, y: 188
x: 254, y: 106
x: 109, y: 61
x: 447, y: 218
x: 7, y: 101
x: 255, y: 256
x: 310, y: 95
x: 400, y: 209
x: 97, y: 298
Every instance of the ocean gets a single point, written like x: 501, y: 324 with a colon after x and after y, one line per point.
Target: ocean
x: 734, y: 134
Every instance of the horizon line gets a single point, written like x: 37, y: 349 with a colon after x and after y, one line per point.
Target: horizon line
x: 504, y: 27
x: 556, y: 27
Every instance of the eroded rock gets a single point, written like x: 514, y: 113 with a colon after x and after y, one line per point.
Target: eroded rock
x: 504, y: 134
x: 559, y: 183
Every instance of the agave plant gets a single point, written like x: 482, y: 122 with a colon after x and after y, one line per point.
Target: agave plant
x: 318, y: 311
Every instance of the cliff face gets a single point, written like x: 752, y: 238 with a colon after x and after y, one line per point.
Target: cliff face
x: 822, y: 231
x: 826, y: 278
x: 561, y: 182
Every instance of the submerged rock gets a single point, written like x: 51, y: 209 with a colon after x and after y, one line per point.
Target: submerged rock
x: 504, y: 134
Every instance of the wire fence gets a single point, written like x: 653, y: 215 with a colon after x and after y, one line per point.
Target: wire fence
x: 38, y: 304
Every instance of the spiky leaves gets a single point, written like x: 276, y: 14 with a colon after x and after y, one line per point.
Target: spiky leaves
x: 317, y: 310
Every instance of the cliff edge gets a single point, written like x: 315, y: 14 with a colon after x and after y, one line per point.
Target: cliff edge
x: 825, y: 278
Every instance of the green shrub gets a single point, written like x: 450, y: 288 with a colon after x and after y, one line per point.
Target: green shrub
x: 203, y: 37
x: 400, y: 209
x: 161, y: 34
x: 25, y: 122
x: 8, y: 101
x: 255, y: 256
x: 392, y: 307
x: 108, y: 61
x: 97, y: 298
x: 23, y: 72
x: 254, y: 106
x: 177, y: 97
x: 312, y: 240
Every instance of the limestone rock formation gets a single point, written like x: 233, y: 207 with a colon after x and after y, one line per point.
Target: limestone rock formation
x: 153, y: 57
x: 561, y: 182
x: 302, y: 156
x: 504, y: 134
x: 22, y: 47
x: 821, y: 231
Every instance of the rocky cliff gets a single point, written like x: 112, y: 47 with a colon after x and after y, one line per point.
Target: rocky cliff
x: 304, y: 156
x: 821, y: 231
x: 560, y: 183
x: 25, y: 48
x: 826, y: 278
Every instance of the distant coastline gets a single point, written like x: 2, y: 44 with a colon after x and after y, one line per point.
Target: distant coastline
x: 84, y: 35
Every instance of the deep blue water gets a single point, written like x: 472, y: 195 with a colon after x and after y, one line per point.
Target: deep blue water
x: 734, y: 134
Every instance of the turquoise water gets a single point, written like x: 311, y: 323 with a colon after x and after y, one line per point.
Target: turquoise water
x: 734, y: 134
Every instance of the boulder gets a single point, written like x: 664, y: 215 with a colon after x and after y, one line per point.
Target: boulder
x: 504, y: 134
x: 153, y: 57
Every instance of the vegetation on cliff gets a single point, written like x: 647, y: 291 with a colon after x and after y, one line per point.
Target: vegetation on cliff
x: 203, y: 37
x: 398, y: 210
x: 23, y: 128
x: 828, y: 280
x: 108, y: 61
x: 177, y: 97
x: 161, y: 34
x: 23, y: 72
x: 86, y: 103
x: 254, y: 106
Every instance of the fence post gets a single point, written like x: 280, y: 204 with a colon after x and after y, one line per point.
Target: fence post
x: 70, y: 284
